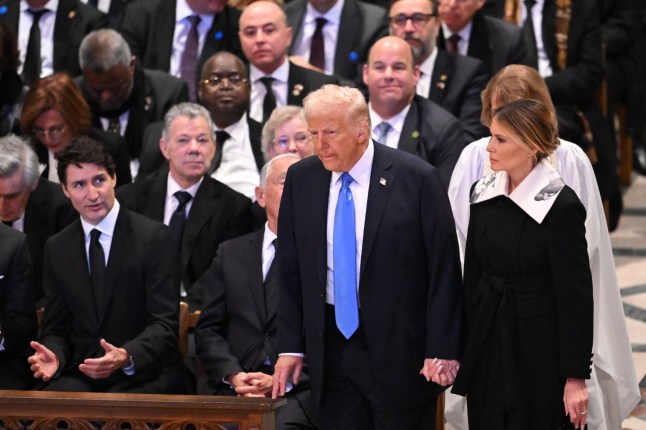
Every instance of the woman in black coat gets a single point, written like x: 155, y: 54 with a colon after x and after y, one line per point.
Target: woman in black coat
x: 527, y: 284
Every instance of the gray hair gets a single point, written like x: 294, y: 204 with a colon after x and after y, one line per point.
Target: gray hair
x: 333, y: 98
x: 278, y: 117
x: 102, y: 50
x: 266, y: 169
x: 14, y: 154
x: 188, y: 110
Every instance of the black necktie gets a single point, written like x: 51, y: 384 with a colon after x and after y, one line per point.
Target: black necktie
x: 221, y: 136
x: 188, y: 63
x: 530, y: 36
x: 114, y: 125
x: 8, y: 223
x: 97, y: 266
x: 317, y: 49
x: 269, y: 103
x: 178, y: 219
x: 452, y: 45
x: 31, y: 69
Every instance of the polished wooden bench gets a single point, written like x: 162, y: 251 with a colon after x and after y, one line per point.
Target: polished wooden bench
x: 43, y: 410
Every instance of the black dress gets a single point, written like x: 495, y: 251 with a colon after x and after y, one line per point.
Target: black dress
x: 529, y: 313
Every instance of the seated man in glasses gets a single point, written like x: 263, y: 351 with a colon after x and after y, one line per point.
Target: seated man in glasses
x: 224, y: 91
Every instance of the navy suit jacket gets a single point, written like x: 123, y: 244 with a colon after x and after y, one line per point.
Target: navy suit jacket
x: 456, y: 85
x: 74, y: 20
x: 362, y: 24
x: 217, y: 213
x: 410, y: 286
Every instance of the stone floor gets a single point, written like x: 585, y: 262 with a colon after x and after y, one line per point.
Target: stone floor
x: 629, y: 248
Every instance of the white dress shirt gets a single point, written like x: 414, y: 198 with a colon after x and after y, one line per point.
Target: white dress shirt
x: 52, y: 162
x: 330, y: 33
x: 182, y: 27
x: 46, y: 25
x: 258, y: 89
x: 268, y: 251
x: 544, y: 68
x: 171, y: 201
x: 106, y: 227
x: 19, y: 223
x: 396, y: 124
x: 238, y: 167
x: 425, y: 74
x: 360, y: 172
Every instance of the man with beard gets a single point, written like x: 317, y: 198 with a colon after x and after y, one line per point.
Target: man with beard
x: 450, y: 80
x: 123, y: 96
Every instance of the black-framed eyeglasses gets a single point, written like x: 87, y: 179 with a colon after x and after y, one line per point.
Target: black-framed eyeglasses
x: 53, y: 132
x: 282, y: 142
x: 234, y: 79
x: 417, y: 19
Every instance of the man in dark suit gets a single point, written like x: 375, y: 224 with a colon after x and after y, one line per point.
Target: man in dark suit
x: 112, y: 285
x: 29, y: 203
x: 114, y: 9
x: 491, y: 40
x: 155, y: 29
x: 275, y: 81
x: 236, y: 332
x: 224, y: 91
x: 371, y: 287
x: 17, y: 310
x: 201, y: 211
x: 123, y: 96
x: 450, y: 80
x: 400, y: 118
x: 350, y: 28
x: 62, y: 28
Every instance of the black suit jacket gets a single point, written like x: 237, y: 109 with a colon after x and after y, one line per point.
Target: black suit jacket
x: 302, y: 81
x: 217, y: 213
x: 456, y: 85
x: 48, y: 211
x: 410, y: 286
x: 17, y: 308
x: 433, y: 134
x: 153, y: 94
x: 153, y: 161
x: 494, y: 42
x: 73, y: 21
x: 139, y: 307
x: 361, y: 25
x: 115, y: 145
x: 148, y: 27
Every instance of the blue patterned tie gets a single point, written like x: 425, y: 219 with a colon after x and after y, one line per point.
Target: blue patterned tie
x: 346, y: 307
x: 383, y: 128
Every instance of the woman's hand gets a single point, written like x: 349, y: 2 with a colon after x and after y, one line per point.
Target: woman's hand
x: 575, y: 400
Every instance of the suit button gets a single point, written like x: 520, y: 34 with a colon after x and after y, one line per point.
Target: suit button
x: 322, y: 295
x: 321, y: 333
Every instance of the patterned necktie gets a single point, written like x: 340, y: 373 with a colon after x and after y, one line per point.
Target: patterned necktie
x: 97, y: 266
x: 530, y: 36
x: 188, y: 63
x: 346, y: 307
x: 32, y: 67
x: 452, y: 45
x: 317, y: 49
x: 178, y: 219
x: 221, y: 136
x: 114, y: 125
x: 269, y: 103
x: 383, y: 128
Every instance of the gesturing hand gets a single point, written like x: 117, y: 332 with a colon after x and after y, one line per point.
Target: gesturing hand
x: 98, y: 368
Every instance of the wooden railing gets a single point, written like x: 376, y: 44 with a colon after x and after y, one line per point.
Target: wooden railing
x: 43, y: 410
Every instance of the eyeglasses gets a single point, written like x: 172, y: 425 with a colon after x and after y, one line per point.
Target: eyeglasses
x: 216, y: 80
x: 417, y: 19
x: 282, y: 142
x: 53, y: 132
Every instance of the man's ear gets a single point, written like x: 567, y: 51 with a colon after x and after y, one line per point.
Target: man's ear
x: 162, y: 147
x: 260, y: 197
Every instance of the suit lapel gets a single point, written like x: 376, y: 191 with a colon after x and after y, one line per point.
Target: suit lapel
x: 479, y: 41
x: 442, y: 72
x: 255, y: 136
x: 66, y: 18
x: 204, y: 207
x: 254, y: 274
x: 295, y: 20
x: 12, y: 15
x: 317, y: 205
x: 549, y: 32
x: 381, y: 185
x: 410, y: 135
x: 350, y: 27
x: 155, y: 200
x: 116, y: 259
x: 164, y: 20
x: 214, y: 40
x: 297, y: 85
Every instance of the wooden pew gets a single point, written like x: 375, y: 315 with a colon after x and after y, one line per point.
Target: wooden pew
x: 46, y: 410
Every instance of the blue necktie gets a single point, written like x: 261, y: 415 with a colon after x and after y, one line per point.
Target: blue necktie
x: 346, y: 307
x: 383, y: 128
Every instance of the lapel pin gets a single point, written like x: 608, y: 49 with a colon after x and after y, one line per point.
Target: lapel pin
x: 415, y: 134
x: 353, y: 56
x: 382, y: 181
x: 443, y: 78
x: 72, y: 14
x: 3, y: 9
x: 219, y: 35
x: 298, y: 88
x: 440, y: 85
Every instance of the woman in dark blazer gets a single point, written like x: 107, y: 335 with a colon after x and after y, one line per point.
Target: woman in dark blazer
x: 527, y: 283
x: 54, y: 112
